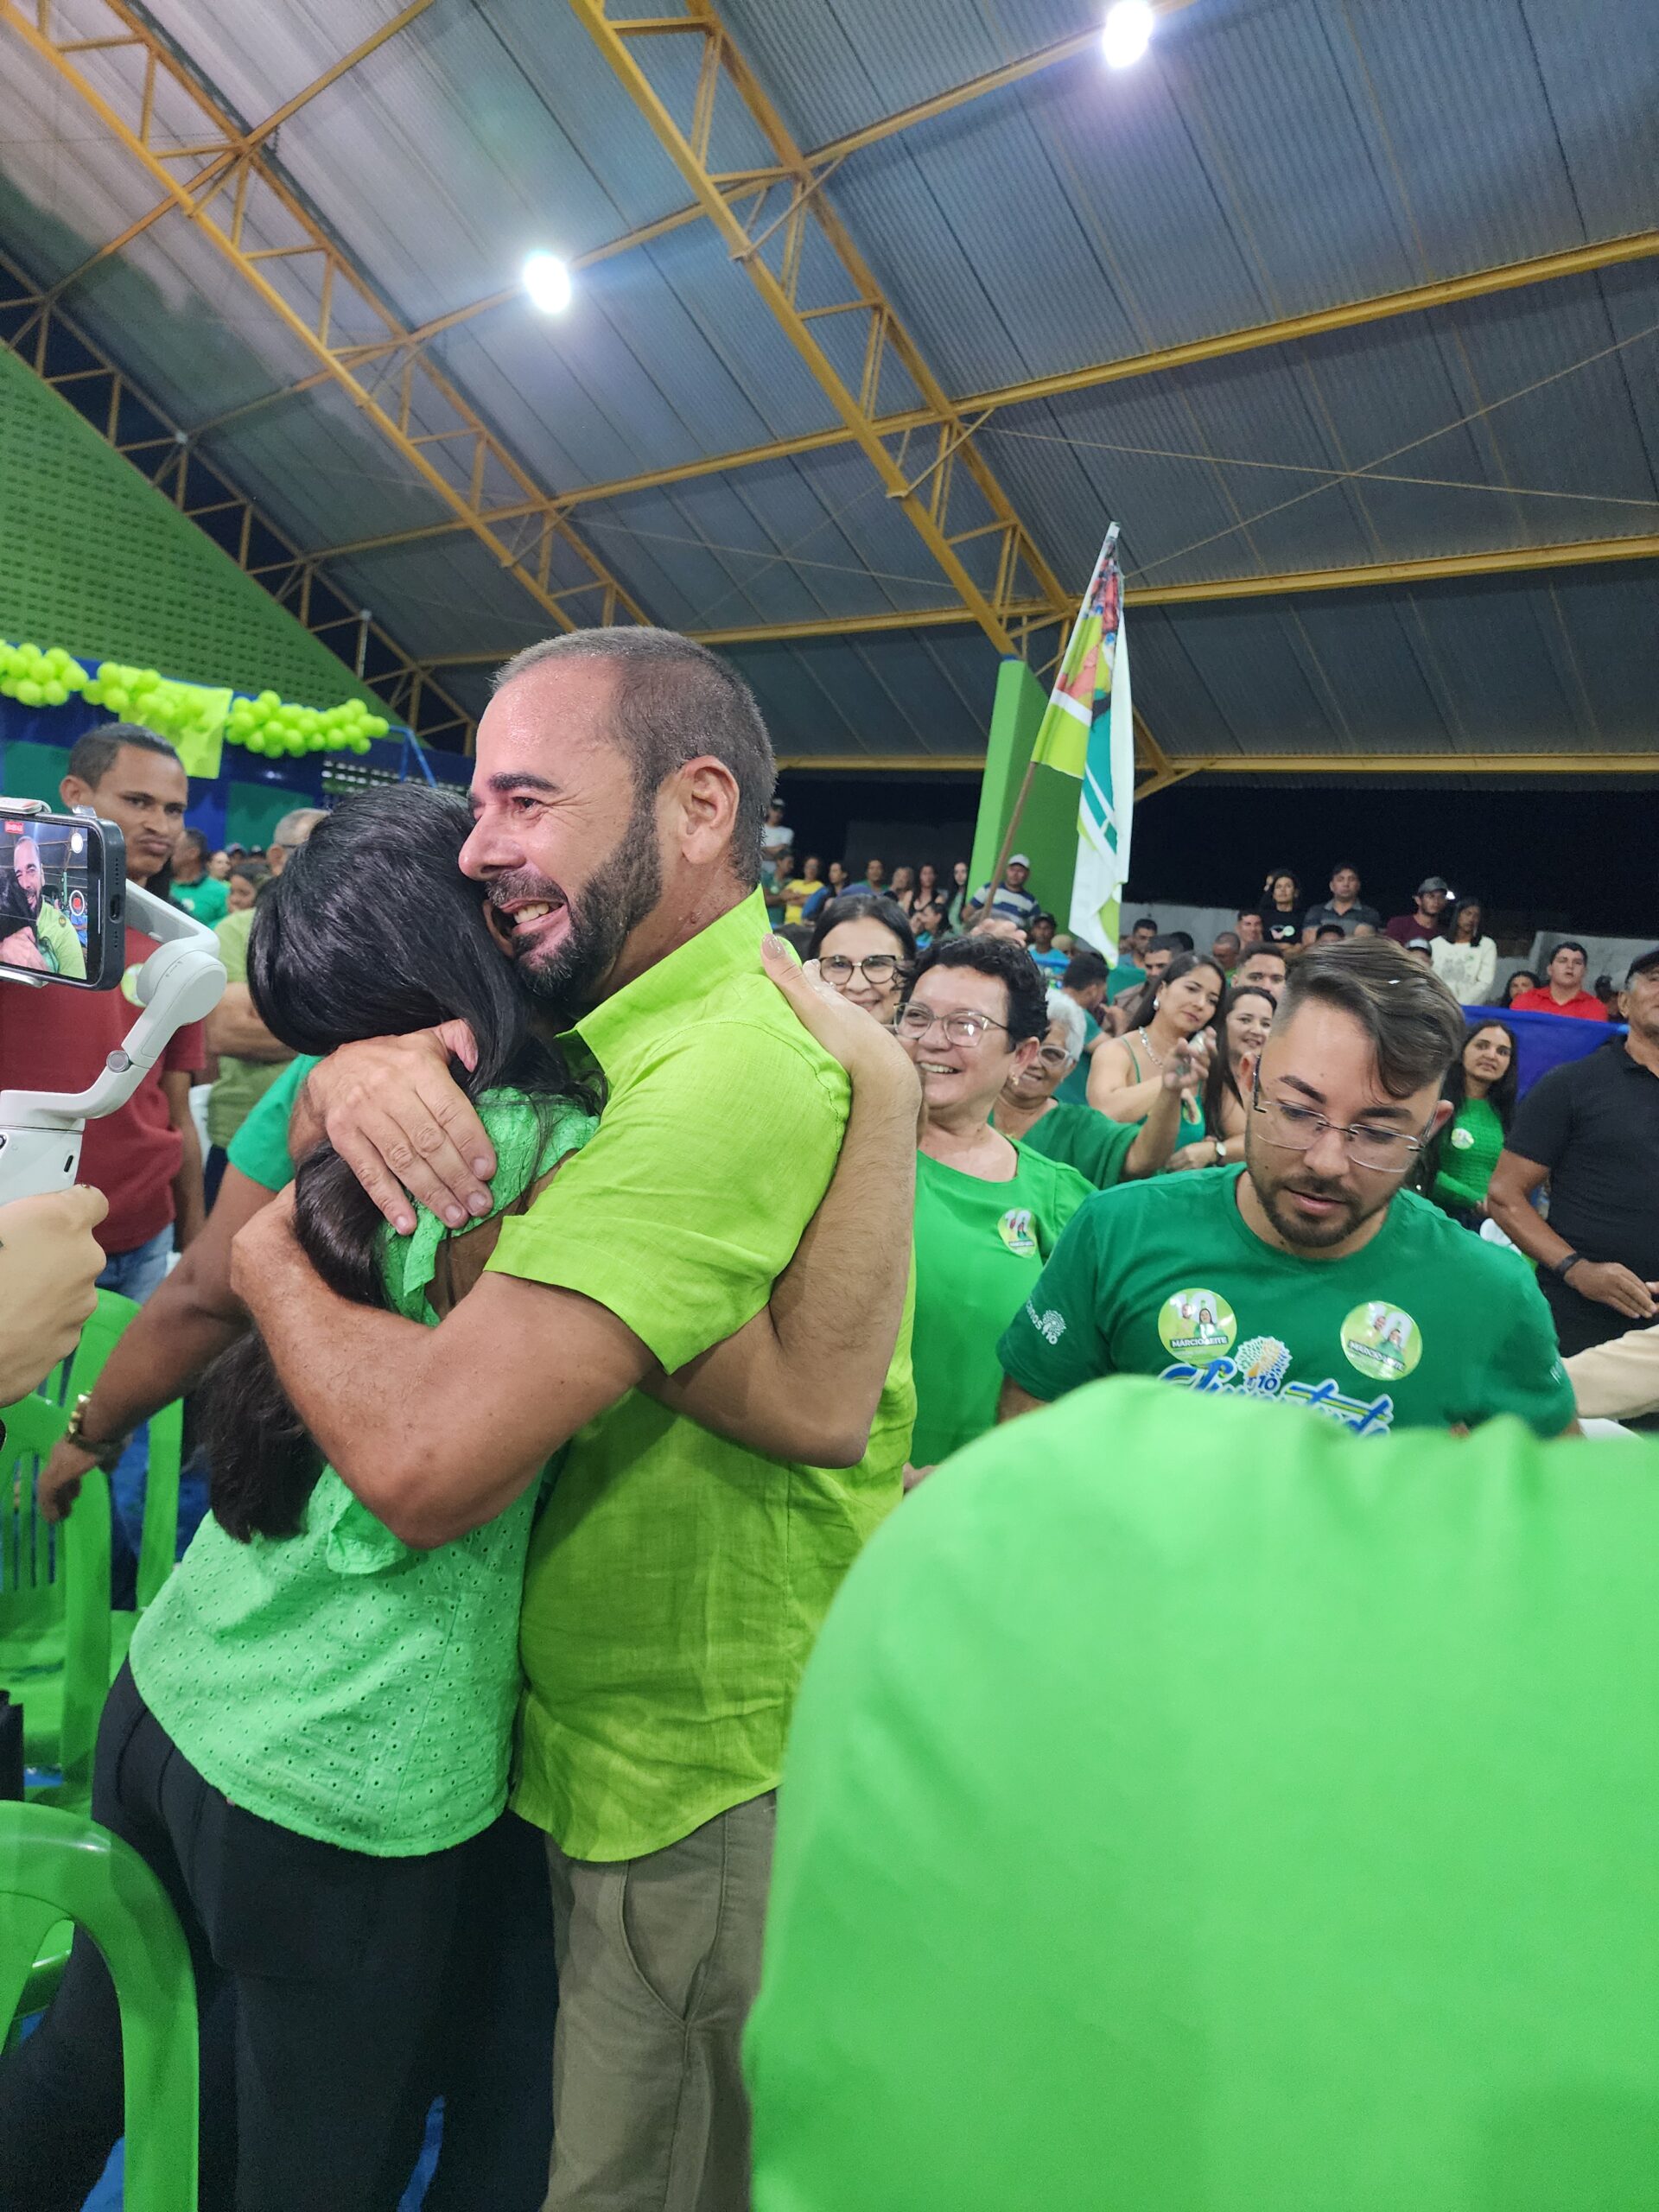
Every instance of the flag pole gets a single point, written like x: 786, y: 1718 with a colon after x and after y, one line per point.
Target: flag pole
x: 1106, y: 551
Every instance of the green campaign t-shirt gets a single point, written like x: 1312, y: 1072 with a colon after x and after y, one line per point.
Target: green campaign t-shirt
x: 980, y: 1249
x: 1424, y: 1327
x: 259, y: 1148
x: 1124, y: 978
x: 59, y: 947
x: 206, y: 901
x: 1086, y: 1140
x: 241, y: 1083
x: 1313, y: 1783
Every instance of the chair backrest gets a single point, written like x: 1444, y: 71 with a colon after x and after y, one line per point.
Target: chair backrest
x: 61, y: 1388
x: 61, y: 1617
x: 55, y: 1866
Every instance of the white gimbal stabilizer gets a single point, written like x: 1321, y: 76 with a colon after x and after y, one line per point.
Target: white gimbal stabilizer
x: 183, y: 980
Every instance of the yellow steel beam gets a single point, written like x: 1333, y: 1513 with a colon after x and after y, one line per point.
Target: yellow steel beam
x: 418, y: 393
x: 720, y: 64
x: 30, y: 339
x: 246, y: 140
x: 1543, y: 269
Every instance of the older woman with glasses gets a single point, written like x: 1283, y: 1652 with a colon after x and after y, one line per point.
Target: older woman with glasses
x: 989, y: 1209
x: 1105, y: 1151
x: 865, y: 949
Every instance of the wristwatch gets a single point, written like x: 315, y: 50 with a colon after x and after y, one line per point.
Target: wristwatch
x: 1221, y: 1152
x: 103, y: 1455
x: 1561, y: 1266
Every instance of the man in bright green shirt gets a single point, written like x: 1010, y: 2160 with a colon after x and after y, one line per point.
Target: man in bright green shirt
x: 677, y: 1579
x: 1193, y: 1810
x: 1311, y: 1275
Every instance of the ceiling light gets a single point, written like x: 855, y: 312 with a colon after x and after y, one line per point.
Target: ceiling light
x: 548, y: 282
x: 1126, y: 33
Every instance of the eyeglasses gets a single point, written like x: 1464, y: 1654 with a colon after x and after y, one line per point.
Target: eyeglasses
x: 1054, y: 1056
x: 1298, y: 1129
x: 878, y: 968
x: 966, y: 1029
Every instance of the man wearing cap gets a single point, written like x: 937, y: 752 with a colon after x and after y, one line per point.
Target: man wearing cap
x: 1012, y: 902
x: 1428, y: 921
x: 1591, y: 1129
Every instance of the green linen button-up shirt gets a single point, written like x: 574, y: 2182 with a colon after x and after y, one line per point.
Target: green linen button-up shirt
x: 677, y: 1581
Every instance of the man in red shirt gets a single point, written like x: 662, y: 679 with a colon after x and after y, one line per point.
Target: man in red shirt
x: 145, y: 1159
x: 1564, y: 993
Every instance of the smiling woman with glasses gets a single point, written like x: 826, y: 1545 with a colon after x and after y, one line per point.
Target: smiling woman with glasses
x: 1107, y: 1152
x: 865, y: 950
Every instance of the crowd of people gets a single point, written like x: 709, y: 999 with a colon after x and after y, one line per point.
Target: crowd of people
x: 540, y: 1428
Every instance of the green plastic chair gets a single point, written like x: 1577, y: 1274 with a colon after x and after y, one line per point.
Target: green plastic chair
x: 54, y: 1865
x: 55, y: 1635
x: 159, y: 1540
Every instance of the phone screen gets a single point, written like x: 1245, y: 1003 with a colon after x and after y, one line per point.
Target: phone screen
x: 62, y: 889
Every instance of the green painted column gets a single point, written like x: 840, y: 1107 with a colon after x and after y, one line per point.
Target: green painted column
x: 1048, y: 826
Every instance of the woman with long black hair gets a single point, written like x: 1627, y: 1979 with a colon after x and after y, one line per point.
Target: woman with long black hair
x: 310, y: 1742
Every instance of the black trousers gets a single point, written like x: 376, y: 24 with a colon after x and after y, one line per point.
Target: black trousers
x: 338, y: 1992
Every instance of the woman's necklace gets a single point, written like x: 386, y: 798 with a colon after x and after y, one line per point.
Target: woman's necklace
x: 1156, y: 1057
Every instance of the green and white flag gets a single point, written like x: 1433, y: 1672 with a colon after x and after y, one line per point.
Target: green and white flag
x: 1089, y: 732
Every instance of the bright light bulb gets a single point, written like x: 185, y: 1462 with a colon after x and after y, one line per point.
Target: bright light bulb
x: 1127, y: 32
x: 548, y: 282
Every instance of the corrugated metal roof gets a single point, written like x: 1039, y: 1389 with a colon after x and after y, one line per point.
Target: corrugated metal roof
x: 1270, y: 157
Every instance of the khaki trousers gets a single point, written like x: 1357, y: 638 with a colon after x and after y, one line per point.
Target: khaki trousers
x: 659, y: 1959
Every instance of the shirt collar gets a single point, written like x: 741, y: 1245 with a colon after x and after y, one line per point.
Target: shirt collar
x: 659, y: 999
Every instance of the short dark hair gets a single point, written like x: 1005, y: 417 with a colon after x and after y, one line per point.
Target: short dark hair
x: 1011, y: 965
x: 1249, y: 952
x: 92, y: 757
x: 887, y: 911
x: 1221, y: 936
x: 676, y: 702
x: 197, y: 840
x: 1327, y: 930
x: 1177, y: 941
x: 1086, y: 966
x: 1415, y: 1025
x: 1569, y: 944
x: 1145, y: 922
x: 253, y: 872
x: 1344, y: 867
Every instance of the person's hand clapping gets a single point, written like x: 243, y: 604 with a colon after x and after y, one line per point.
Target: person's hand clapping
x: 50, y: 1263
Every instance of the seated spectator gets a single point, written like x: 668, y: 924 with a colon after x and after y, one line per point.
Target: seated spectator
x: 1564, y: 992
x: 987, y: 1212
x: 1125, y: 1074
x: 1181, y: 941
x: 1417, y: 947
x: 1465, y: 958
x: 875, y: 877
x: 1343, y: 907
x: 1263, y: 965
x: 243, y: 885
x: 218, y: 865
x: 958, y: 896
x: 835, y: 882
x: 1012, y: 902
x: 1051, y: 962
x: 1246, y: 1019
x: 1248, y: 925
x: 1608, y: 994
x: 902, y: 889
x: 1591, y: 1129
x: 1523, y: 980
x: 1312, y: 1784
x: 1131, y: 970
x: 865, y: 950
x: 1481, y: 1085
x: 778, y: 839
x: 1283, y: 911
x: 195, y: 887
x: 1329, y: 933
x: 927, y: 921
x: 1106, y: 1152
x: 1427, y: 918
x: 807, y: 887
x: 1085, y: 983
x: 1225, y: 951
x: 927, y: 885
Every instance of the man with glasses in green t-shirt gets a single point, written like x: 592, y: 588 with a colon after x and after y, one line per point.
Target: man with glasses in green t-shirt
x: 1313, y: 1274
x: 677, y: 1579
